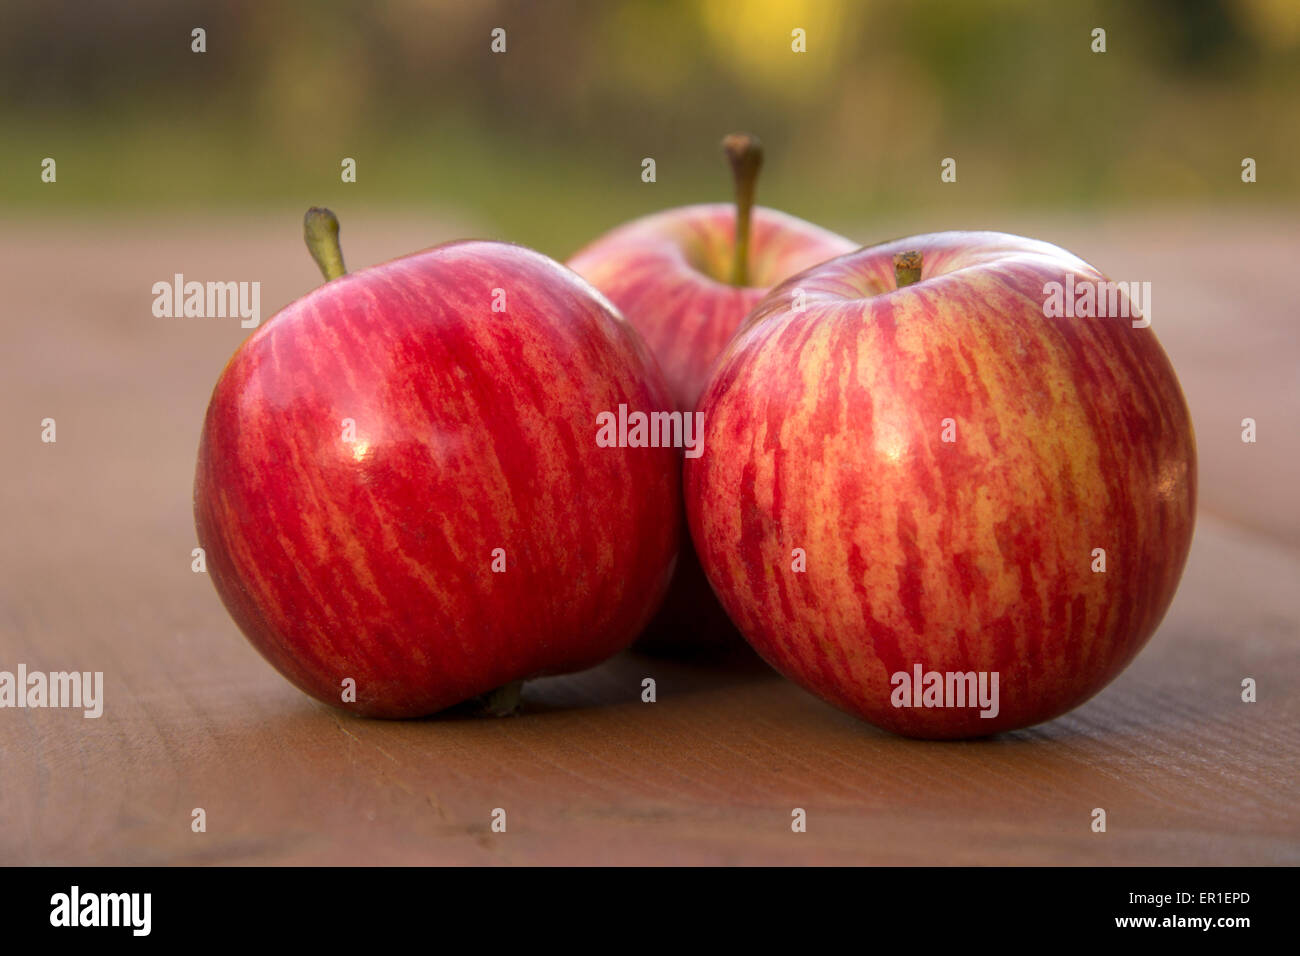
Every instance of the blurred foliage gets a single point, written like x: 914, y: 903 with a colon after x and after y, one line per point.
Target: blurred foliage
x: 544, y: 143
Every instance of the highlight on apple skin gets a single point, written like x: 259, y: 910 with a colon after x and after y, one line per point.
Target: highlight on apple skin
x: 686, y: 278
x: 975, y: 487
x: 400, y: 486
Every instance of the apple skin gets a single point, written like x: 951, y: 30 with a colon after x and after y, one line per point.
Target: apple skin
x: 474, y: 431
x: 823, y: 432
x: 668, y: 274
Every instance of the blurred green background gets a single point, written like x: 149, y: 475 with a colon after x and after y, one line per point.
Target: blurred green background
x: 543, y: 144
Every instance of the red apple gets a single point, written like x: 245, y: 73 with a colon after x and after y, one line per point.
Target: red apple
x: 686, y: 278
x: 400, y: 485
x: 951, y: 458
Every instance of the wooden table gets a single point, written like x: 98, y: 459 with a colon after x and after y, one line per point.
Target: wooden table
x: 95, y: 575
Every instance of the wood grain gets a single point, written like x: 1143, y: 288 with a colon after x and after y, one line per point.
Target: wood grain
x: 95, y: 575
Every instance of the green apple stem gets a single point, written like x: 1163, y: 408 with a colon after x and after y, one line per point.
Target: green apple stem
x: 907, y: 268
x: 320, y: 229
x: 503, y: 701
x: 745, y: 153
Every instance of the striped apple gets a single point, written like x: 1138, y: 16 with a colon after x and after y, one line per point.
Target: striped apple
x: 686, y: 278
x: 667, y: 273
x: 399, y: 484
x: 937, y: 477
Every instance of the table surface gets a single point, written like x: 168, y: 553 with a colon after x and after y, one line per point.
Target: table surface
x: 95, y: 575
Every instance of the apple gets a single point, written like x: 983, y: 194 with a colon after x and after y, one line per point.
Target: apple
x: 919, y: 475
x: 686, y: 278
x: 399, y: 488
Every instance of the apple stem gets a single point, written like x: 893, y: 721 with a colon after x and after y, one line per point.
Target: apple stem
x: 320, y: 230
x: 745, y: 153
x: 503, y: 701
x: 907, y: 268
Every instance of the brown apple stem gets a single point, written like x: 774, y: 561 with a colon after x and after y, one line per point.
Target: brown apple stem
x: 745, y: 153
x: 503, y: 701
x: 320, y: 229
x: 907, y: 268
